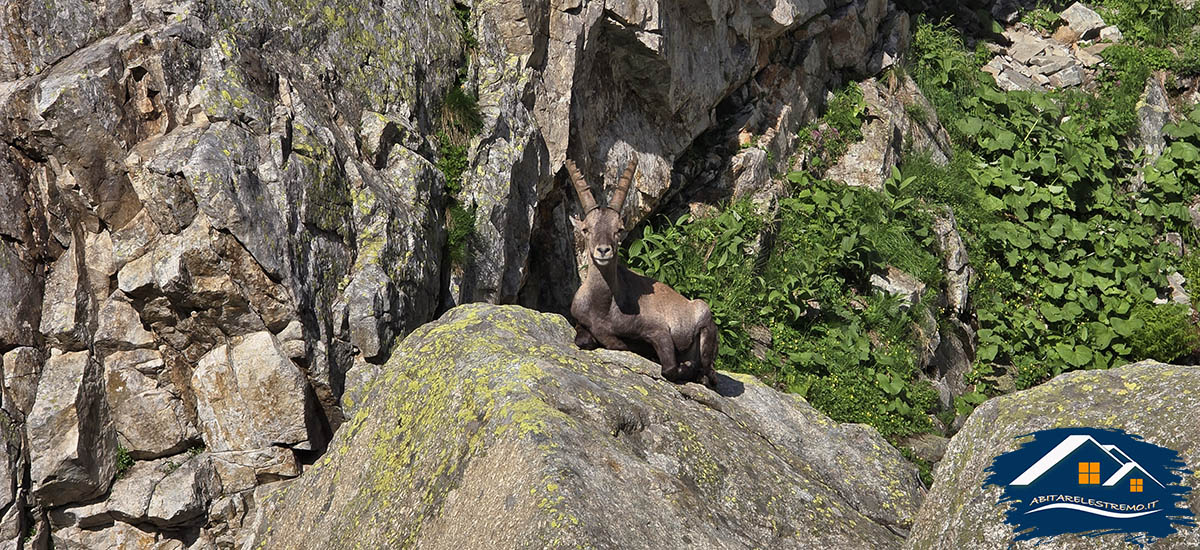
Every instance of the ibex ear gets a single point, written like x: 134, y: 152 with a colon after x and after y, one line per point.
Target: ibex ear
x: 577, y: 223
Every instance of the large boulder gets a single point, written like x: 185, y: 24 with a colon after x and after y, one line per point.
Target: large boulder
x: 1160, y: 403
x: 490, y: 424
x: 249, y: 396
x: 149, y: 419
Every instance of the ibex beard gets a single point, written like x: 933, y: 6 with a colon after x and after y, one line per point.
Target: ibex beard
x: 618, y: 309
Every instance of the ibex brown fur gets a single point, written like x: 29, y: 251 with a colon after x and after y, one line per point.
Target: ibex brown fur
x: 622, y: 310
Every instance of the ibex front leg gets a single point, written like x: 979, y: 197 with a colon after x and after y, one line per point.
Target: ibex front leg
x: 664, y: 347
x: 584, y: 338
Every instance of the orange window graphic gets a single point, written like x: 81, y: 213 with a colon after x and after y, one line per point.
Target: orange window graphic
x: 1089, y: 473
x: 1135, y: 485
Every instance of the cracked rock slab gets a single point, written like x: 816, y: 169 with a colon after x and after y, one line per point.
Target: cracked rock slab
x: 71, y: 437
x: 169, y: 492
x: 1010, y: 80
x: 243, y: 470
x: 489, y: 424
x: 899, y: 283
x: 1023, y: 51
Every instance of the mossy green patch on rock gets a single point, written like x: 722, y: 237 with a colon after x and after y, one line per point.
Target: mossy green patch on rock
x: 489, y: 424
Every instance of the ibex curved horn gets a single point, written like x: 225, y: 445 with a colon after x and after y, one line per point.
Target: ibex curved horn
x: 618, y: 196
x: 586, y: 199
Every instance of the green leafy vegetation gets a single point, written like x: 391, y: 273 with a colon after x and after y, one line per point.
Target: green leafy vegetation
x: 828, y: 138
x: 460, y: 223
x: 1190, y: 265
x: 463, y: 14
x: 1149, y: 22
x: 848, y: 350
x: 1124, y: 79
x: 947, y: 72
x: 1065, y: 241
x: 459, y: 122
x: 1041, y: 18
x: 1069, y: 257
x: 1167, y: 333
x: 1157, y: 35
x: 124, y: 461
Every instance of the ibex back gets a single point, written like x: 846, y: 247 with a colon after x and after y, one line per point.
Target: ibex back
x: 622, y: 310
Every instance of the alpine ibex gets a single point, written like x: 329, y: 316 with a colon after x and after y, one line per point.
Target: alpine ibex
x: 622, y: 310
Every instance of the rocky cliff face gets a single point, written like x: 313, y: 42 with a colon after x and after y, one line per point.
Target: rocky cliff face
x: 490, y: 425
x: 212, y: 214
x: 597, y: 82
x: 189, y: 222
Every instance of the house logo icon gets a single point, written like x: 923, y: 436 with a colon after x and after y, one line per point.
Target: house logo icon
x: 1092, y: 482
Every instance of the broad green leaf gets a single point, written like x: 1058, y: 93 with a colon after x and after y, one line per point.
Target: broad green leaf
x: 1126, y: 327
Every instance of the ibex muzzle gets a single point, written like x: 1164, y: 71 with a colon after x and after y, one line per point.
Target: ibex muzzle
x: 619, y: 309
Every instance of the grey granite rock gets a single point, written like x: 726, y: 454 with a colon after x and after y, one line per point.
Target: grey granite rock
x: 489, y: 424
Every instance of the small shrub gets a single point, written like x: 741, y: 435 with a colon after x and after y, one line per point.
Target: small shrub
x: 944, y: 69
x: 1167, y: 333
x: 124, y: 461
x: 460, y: 119
x: 950, y: 185
x: 846, y: 112
x: 460, y: 122
x: 841, y: 126
x: 1190, y: 266
x: 460, y: 224
x: 452, y: 161
x: 917, y: 113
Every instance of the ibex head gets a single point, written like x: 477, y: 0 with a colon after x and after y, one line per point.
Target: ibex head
x: 601, y: 226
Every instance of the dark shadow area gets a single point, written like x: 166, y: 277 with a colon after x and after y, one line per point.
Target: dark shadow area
x: 728, y: 386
